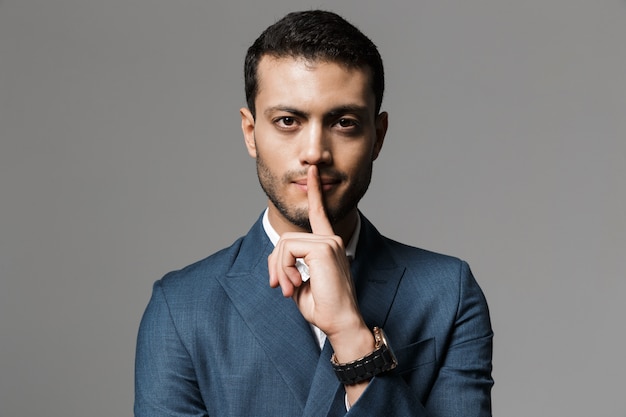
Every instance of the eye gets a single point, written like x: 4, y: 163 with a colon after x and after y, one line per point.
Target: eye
x: 285, y: 122
x: 348, y: 124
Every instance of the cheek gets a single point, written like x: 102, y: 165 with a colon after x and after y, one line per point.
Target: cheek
x: 272, y: 161
x: 272, y: 146
x: 357, y: 158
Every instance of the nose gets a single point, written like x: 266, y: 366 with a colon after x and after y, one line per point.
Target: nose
x: 316, y: 149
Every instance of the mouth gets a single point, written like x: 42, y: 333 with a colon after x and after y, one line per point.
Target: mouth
x: 327, y: 183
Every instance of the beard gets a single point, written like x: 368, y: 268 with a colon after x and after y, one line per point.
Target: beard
x: 299, y: 216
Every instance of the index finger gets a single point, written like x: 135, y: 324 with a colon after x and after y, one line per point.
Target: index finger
x: 320, y: 225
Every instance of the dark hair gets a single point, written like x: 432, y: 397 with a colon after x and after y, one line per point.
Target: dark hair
x: 315, y: 35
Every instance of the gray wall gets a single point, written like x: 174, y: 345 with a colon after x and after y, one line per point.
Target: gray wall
x: 121, y: 158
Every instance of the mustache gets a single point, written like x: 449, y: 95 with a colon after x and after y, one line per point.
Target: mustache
x: 329, y: 173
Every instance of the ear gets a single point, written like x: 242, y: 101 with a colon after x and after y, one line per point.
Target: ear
x: 382, y: 121
x: 247, y: 127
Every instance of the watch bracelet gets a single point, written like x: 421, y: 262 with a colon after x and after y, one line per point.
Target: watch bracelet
x: 372, y: 364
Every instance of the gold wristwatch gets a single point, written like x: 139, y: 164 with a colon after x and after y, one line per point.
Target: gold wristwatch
x: 380, y: 360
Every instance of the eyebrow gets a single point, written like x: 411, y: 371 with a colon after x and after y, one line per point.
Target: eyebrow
x: 337, y: 111
x: 286, y: 109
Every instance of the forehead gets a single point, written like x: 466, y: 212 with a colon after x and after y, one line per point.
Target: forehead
x: 298, y: 81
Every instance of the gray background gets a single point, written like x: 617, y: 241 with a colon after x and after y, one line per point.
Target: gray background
x: 121, y: 158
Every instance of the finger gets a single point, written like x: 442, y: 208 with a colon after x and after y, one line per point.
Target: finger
x: 320, y: 225
x: 282, y: 272
x: 271, y: 266
x: 278, y: 278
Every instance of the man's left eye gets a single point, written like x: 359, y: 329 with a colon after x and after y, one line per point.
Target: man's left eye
x: 347, y: 123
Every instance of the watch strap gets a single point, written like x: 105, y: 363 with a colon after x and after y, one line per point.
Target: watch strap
x: 380, y: 360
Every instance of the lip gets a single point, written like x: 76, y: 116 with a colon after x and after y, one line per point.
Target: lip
x: 327, y: 183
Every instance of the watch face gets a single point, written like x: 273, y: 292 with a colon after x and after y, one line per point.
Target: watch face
x: 380, y: 335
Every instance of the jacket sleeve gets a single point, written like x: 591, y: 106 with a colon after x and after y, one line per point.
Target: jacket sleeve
x: 462, y: 385
x: 165, y: 381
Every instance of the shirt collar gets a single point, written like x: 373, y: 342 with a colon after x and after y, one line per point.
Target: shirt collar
x: 350, y: 247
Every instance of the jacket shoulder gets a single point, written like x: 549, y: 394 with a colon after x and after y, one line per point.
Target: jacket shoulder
x: 201, y: 273
x: 413, y: 256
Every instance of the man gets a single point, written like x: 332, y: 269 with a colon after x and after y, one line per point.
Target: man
x: 291, y: 319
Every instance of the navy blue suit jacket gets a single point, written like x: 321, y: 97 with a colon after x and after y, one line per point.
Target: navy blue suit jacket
x: 216, y: 340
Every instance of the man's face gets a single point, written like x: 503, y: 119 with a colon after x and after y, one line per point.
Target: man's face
x: 313, y: 113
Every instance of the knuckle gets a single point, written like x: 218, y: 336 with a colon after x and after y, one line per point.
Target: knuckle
x: 329, y: 250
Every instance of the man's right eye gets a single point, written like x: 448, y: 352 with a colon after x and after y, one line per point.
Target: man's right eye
x: 285, y: 122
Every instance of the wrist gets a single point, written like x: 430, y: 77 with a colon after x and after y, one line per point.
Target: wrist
x: 352, y: 343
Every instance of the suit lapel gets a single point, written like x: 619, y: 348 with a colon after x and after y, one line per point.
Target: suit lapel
x: 324, y: 386
x: 273, y: 319
x: 376, y: 275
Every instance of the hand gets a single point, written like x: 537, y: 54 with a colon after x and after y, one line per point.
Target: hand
x: 328, y: 300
